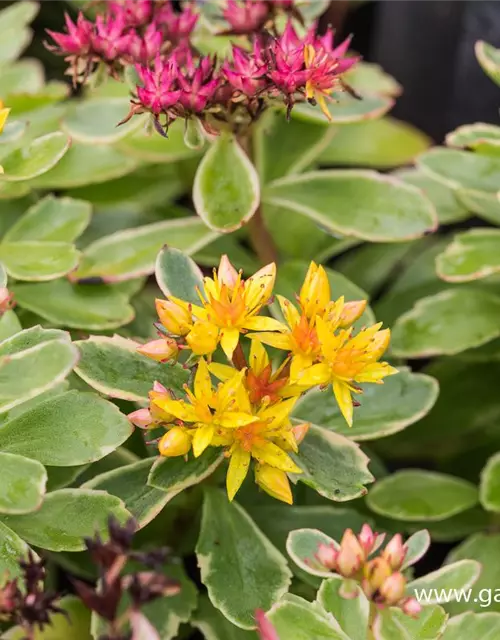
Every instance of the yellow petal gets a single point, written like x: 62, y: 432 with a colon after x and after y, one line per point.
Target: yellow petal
x: 229, y: 341
x: 202, y: 439
x: 227, y: 392
x: 315, y: 292
x: 277, y: 413
x: 203, y: 338
x: 299, y: 363
x: 177, y: 408
x: 376, y: 372
x: 264, y: 323
x: 235, y: 419
x: 259, y: 359
x: 272, y: 454
x: 277, y: 340
x: 289, y: 311
x: 328, y: 341
x: 274, y: 482
x: 237, y: 471
x: 222, y: 371
x: 4, y: 114
x: 351, y: 312
x: 259, y: 287
x: 316, y: 375
x: 344, y: 399
x: 202, y: 382
x: 323, y: 106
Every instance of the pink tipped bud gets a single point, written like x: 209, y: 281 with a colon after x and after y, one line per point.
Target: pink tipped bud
x: 6, y: 300
x: 366, y: 539
x: 159, y: 388
x: 141, y: 418
x: 393, y: 588
x: 350, y: 557
x: 264, y: 627
x: 411, y: 607
x: 375, y: 573
x: 326, y: 555
x: 175, y: 442
x: 160, y: 350
x: 351, y: 312
x: 227, y: 274
x: 300, y: 431
x: 395, y: 552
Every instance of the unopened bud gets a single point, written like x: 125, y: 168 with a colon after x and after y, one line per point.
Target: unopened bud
x: 159, y: 388
x: 366, y: 539
x: 376, y: 572
x: 351, y: 555
x: 175, y: 442
x: 351, y: 312
x: 160, y: 350
x: 6, y: 300
x: 395, y: 552
x: 393, y: 588
x: 300, y: 431
x: 274, y: 482
x: 173, y: 317
x: 141, y: 418
x: 264, y: 627
x: 411, y: 607
x: 227, y: 274
x: 326, y: 555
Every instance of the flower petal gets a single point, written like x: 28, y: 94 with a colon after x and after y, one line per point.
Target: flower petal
x: 271, y: 454
x: 289, y: 311
x: 343, y: 396
x: 264, y: 323
x: 222, y: 371
x: 258, y: 288
x: 202, y: 382
x: 277, y: 340
x: 178, y: 408
x: 235, y: 419
x: 229, y: 341
x: 202, y: 439
x: 203, y: 338
x: 237, y: 471
x: 315, y: 375
x: 259, y: 359
x: 376, y: 372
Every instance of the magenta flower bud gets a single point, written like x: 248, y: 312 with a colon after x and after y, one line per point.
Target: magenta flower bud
x: 350, y: 557
x: 198, y: 84
x: 247, y: 72
x: 110, y: 42
x: 158, y: 93
x: 246, y: 16
x: 326, y: 555
x: 142, y: 49
x: 135, y: 12
x: 176, y: 26
x: 78, y: 39
x: 411, y: 607
x: 393, y: 588
x: 264, y: 627
x: 395, y: 552
x: 141, y: 418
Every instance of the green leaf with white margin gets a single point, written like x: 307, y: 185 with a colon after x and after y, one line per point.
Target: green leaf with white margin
x: 332, y: 465
x: 416, y: 547
x: 129, y: 483
x: 447, y: 323
x: 297, y: 619
x: 35, y: 159
x: 18, y: 15
x: 81, y: 306
x: 31, y: 337
x: 3, y: 276
x: 379, y: 144
x: 66, y: 517
x: 241, y: 569
x: 28, y: 373
x: 22, y: 76
x: 113, y: 367
x: 370, y: 79
x: 489, y: 488
x: 226, y: 191
x: 461, y: 169
x: 449, y: 580
x: 95, y: 121
x: 23, y: 484
x: 71, y: 429
x: 393, y: 624
x: 352, y: 614
x: 9, y: 325
x: 448, y: 205
x: 173, y: 475
x: 385, y: 409
x: 472, y: 255
x: 364, y: 204
x: 489, y: 59
x: 38, y: 261
x: 214, y: 626
x: 483, y: 204
x: 51, y: 219
x: 482, y: 138
x: 345, y: 110
x: 413, y: 495
x: 485, y: 626
x: 84, y: 165
x: 14, y: 41
x: 131, y: 253
x: 283, y: 147
x: 302, y: 547
x: 12, y: 548
x: 178, y: 275
x: 156, y: 148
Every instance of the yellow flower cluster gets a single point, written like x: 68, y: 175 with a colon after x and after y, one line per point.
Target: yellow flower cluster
x: 248, y: 412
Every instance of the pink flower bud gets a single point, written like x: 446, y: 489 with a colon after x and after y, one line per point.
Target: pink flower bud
x: 226, y: 273
x: 246, y: 16
x: 366, y: 539
x: 160, y: 350
x: 392, y: 589
x: 78, y: 39
x: 159, y: 388
x: 395, y: 552
x: 350, y: 557
x: 300, y: 431
x: 141, y: 418
x: 6, y: 300
x: 264, y: 627
x: 326, y: 555
x: 411, y: 607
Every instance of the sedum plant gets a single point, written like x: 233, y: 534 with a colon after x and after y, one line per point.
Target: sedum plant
x: 143, y: 375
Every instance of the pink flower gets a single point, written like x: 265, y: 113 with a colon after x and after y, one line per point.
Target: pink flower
x: 264, y: 627
x: 247, y: 72
x: 198, y: 84
x: 136, y: 13
x: 245, y: 17
x: 176, y: 26
x: 326, y: 555
x: 142, y: 49
x: 288, y: 71
x: 78, y: 39
x: 158, y: 93
x: 110, y: 42
x: 395, y: 551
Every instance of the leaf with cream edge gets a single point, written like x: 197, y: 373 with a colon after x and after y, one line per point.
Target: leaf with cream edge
x: 483, y: 204
x: 472, y: 255
x: 71, y: 429
x: 178, y: 275
x: 23, y: 484
x: 345, y: 110
x: 416, y: 547
x: 489, y: 488
x: 241, y: 569
x: 226, y: 191
x: 31, y: 337
x: 114, y: 367
x: 393, y: 624
x: 489, y: 59
x: 173, y: 475
x: 360, y: 203
x: 28, y: 373
x: 447, y: 323
x: 385, y: 409
x: 297, y: 619
x: 41, y: 155
x: 38, y: 261
x: 450, y: 579
x: 131, y: 253
x: 332, y: 465
x: 485, y: 626
x: 482, y: 138
x: 154, y: 148
x: 352, y: 614
x: 302, y: 547
x: 214, y: 626
x: 12, y: 548
x: 66, y: 517
x: 415, y: 495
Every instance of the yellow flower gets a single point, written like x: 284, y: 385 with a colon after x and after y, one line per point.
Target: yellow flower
x: 274, y: 482
x: 208, y: 410
x: 4, y: 114
x: 229, y: 306
x: 176, y: 319
x: 346, y: 361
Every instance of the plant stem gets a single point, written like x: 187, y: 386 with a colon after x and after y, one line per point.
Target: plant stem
x: 260, y: 238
